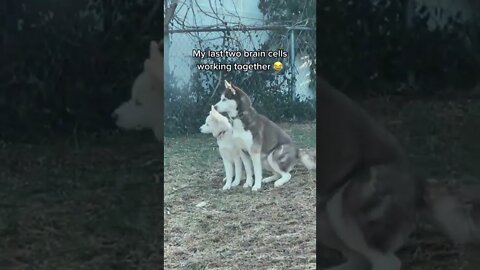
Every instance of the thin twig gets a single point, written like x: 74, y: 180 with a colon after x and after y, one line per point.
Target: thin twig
x: 185, y: 187
x: 169, y: 14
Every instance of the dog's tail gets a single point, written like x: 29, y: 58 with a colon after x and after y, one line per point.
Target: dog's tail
x: 308, y: 159
x: 447, y: 209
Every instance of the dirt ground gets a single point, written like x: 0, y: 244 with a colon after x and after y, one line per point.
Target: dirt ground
x: 236, y: 229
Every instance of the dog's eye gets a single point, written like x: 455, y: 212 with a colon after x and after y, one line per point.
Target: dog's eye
x: 138, y: 103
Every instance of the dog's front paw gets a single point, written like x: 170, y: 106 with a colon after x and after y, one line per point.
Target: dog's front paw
x: 248, y: 184
x: 227, y: 187
x: 255, y: 188
x: 236, y: 183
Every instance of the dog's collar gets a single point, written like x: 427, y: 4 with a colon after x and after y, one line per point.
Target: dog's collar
x: 239, y: 116
x: 220, y: 134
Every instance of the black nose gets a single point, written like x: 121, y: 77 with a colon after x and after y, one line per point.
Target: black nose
x: 115, y: 116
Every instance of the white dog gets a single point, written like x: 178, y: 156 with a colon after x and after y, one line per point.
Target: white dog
x: 144, y: 110
x: 219, y: 126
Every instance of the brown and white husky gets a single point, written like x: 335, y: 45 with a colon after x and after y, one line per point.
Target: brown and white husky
x: 268, y: 145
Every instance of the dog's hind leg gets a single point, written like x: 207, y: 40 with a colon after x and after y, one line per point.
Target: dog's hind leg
x: 269, y: 179
x: 247, y: 164
x: 350, y: 233
x: 284, y: 176
x: 238, y: 171
x: 387, y: 261
x: 329, y: 238
x: 281, y: 161
x: 276, y: 174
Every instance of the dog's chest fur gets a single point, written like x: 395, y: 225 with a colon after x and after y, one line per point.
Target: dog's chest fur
x: 242, y: 137
x: 227, y: 147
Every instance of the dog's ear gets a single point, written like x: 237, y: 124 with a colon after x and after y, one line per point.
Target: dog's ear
x: 154, y: 52
x: 148, y: 69
x: 228, y: 86
x: 215, y: 114
x: 246, y: 100
x: 153, y: 66
x: 153, y: 48
x: 146, y: 65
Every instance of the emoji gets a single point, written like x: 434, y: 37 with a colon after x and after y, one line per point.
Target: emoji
x: 277, y: 66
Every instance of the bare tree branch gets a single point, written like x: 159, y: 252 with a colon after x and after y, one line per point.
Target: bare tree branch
x: 169, y: 14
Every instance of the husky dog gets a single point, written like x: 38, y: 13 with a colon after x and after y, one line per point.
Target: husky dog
x: 144, y: 110
x: 219, y: 126
x: 266, y: 143
x: 369, y: 198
